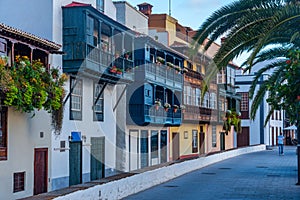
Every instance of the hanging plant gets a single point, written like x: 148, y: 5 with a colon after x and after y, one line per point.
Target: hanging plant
x: 232, y: 118
x: 28, y: 86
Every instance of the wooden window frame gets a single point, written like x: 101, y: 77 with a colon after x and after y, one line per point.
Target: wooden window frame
x: 244, y: 105
x: 76, y: 114
x: 98, y: 115
x: 3, y: 129
x: 19, y: 181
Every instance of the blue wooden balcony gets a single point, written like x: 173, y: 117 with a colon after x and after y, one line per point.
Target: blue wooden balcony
x: 160, y: 74
x: 150, y: 114
x: 83, y: 58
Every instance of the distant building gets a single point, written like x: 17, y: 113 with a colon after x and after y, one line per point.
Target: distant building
x: 131, y: 17
x: 254, y: 131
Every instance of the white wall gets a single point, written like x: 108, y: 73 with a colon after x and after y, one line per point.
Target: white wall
x: 255, y: 124
x: 163, y: 36
x: 23, y: 137
x: 131, y: 17
x: 89, y: 128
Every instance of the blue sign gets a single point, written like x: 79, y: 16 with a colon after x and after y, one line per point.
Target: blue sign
x: 76, y: 136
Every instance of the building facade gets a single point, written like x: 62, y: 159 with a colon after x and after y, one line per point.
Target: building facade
x: 255, y: 131
x: 25, y: 138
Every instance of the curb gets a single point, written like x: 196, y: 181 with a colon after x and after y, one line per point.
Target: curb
x: 139, y: 182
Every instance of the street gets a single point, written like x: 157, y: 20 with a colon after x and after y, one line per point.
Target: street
x: 260, y: 175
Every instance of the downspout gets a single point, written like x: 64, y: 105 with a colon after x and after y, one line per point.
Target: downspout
x: 261, y: 125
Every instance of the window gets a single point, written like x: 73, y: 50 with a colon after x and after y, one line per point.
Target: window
x: 221, y: 77
x: 193, y: 96
x: 98, y: 103
x: 206, y: 100
x: 195, y: 141
x: 230, y: 76
x: 100, y: 5
x: 92, y: 30
x: 76, y: 99
x: 189, y: 95
x: 245, y: 105
x: 3, y: 133
x: 198, y: 96
x: 19, y: 181
x: 154, y: 144
x: 185, y: 94
x: 214, y: 136
x: 213, y: 100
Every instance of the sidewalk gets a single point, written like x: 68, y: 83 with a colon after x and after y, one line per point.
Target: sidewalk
x: 260, y: 175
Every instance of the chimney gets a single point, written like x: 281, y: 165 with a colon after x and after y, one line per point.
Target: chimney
x: 145, y: 8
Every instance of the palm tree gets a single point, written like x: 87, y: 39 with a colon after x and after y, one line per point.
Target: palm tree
x: 268, y: 30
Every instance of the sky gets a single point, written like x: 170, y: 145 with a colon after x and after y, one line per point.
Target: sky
x: 188, y: 12
x: 191, y: 13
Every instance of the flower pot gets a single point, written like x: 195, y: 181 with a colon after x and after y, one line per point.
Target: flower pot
x: 166, y: 109
x: 175, y: 110
x: 156, y: 107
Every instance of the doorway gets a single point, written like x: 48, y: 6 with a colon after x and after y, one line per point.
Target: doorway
x: 175, y: 146
x: 75, y: 163
x: 40, y: 170
x: 97, y: 157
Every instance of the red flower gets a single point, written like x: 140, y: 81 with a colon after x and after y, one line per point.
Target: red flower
x: 288, y: 62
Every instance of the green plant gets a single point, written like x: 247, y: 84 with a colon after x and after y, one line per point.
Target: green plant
x: 167, y: 105
x: 157, y: 102
x: 28, y: 86
x: 232, y: 118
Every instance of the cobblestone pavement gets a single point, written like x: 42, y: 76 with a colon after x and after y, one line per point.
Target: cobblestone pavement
x: 261, y: 175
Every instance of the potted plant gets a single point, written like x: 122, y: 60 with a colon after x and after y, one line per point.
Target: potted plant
x: 127, y: 55
x: 167, y: 106
x: 119, y: 71
x: 175, y: 108
x: 160, y: 60
x: 157, y: 103
x: 182, y: 108
x: 113, y: 69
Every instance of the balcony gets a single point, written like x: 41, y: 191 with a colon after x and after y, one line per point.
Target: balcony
x: 84, y: 58
x: 149, y: 114
x: 196, y: 113
x: 160, y: 74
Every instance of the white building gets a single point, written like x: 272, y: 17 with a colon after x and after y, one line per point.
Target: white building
x: 131, y: 17
x: 86, y: 147
x: 254, y: 131
x: 25, y: 140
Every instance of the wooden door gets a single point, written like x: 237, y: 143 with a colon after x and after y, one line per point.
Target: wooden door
x: 40, y: 170
x: 133, y: 149
x: 75, y: 163
x: 202, y: 143
x: 163, y: 146
x: 175, y: 146
x: 97, y: 157
x: 243, y: 137
x: 222, y: 141
x: 144, y: 149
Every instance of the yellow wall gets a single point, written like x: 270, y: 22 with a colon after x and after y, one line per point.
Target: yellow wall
x: 185, y: 143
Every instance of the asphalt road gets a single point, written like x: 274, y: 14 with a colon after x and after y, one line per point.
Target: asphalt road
x: 261, y: 175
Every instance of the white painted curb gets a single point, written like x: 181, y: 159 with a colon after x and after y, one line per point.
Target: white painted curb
x: 139, y: 182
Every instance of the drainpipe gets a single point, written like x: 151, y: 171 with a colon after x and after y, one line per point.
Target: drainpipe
x: 261, y: 119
